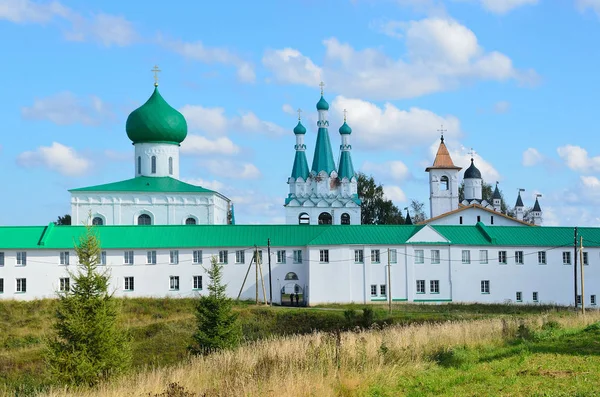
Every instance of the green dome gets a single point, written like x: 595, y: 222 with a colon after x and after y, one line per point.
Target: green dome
x: 300, y: 129
x: 345, y: 129
x: 156, y: 121
x: 322, y: 104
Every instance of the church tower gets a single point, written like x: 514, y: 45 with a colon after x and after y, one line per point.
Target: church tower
x: 497, y: 199
x: 519, y: 207
x: 443, y: 182
x: 536, y: 212
x: 473, y: 183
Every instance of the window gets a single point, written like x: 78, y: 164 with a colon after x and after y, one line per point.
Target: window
x: 2, y: 286
x: 97, y: 221
x: 420, y: 286
x: 144, y: 219
x: 592, y: 299
x: 154, y: 164
x: 373, y: 290
x: 303, y: 219
x: 21, y: 258
x: 174, y: 283
x: 240, y: 256
x: 434, y: 286
x: 128, y: 258
x: 535, y: 296
x: 128, y: 284
x: 502, y: 257
x: 151, y: 258
x: 197, y: 257
x: 297, y: 256
x: 566, y: 258
x: 492, y: 219
x: 325, y: 218
x: 485, y: 286
x: 324, y: 256
x: 190, y: 221
x: 466, y: 256
x: 64, y: 258
x: 1, y: 258
x: 170, y: 165
x: 103, y: 258
x: 382, y: 290
x: 478, y: 218
x: 174, y: 257
x: 223, y: 256
x: 542, y: 257
x: 64, y: 284
x: 519, y: 296
x: 345, y: 220
x: 393, y: 255
x: 21, y: 285
x: 483, y: 256
x: 519, y: 257
x: 375, y: 256
x: 197, y: 282
x: 435, y: 256
x: 281, y: 256
x: 444, y: 183
x: 139, y: 165
x: 291, y: 276
x: 460, y: 220
x: 419, y: 256
x: 585, y: 259
x: 579, y: 299
x: 359, y: 256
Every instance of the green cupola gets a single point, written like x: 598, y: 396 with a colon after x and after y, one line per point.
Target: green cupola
x: 156, y: 122
x: 345, y: 129
x: 322, y: 104
x: 300, y: 129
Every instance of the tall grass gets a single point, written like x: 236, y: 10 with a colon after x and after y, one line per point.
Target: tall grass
x: 324, y: 364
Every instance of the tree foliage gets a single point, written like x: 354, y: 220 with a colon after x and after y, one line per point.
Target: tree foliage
x: 88, y: 345
x: 417, y: 209
x: 217, y: 324
x: 375, y: 209
x: 63, y: 220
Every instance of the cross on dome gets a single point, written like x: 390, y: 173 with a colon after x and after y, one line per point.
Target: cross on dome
x: 321, y: 84
x: 345, y: 113
x: 472, y: 153
x: 156, y: 70
x: 441, y: 131
x: 299, y: 111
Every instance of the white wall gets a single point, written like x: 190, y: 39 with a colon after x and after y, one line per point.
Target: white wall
x: 162, y: 152
x: 470, y: 217
x: 293, y: 211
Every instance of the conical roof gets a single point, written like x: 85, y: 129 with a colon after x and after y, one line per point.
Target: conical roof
x: 472, y: 172
x: 497, y: 194
x: 408, y: 220
x: 443, y: 159
x: 519, y: 201
x: 536, y: 206
x: 156, y: 121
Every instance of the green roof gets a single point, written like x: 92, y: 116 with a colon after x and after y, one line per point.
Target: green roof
x: 300, y: 168
x: 246, y: 236
x: 323, y: 158
x: 346, y: 169
x: 322, y: 104
x: 146, y: 184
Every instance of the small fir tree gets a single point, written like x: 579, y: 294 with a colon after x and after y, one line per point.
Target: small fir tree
x: 88, y: 345
x: 218, y: 328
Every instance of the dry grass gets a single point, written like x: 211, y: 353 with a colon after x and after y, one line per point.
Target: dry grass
x: 323, y: 364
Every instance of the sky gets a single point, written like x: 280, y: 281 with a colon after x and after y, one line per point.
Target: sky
x: 515, y: 80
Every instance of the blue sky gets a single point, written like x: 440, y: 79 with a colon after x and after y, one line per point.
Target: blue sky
x: 516, y: 80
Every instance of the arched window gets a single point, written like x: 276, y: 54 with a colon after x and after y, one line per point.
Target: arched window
x: 170, y: 165
x: 154, y: 164
x: 325, y: 218
x: 97, y: 221
x: 144, y: 219
x: 345, y: 219
x: 304, y: 219
x: 291, y: 276
x: 190, y: 221
x: 444, y: 183
x: 139, y: 165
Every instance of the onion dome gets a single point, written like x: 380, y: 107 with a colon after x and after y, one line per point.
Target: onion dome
x: 322, y: 104
x: 300, y: 129
x: 156, y: 121
x: 472, y: 172
x: 345, y: 129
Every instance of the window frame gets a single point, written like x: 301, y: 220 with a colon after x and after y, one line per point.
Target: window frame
x: 128, y: 257
x: 420, y: 287
x: 173, y: 257
x: 224, y: 257
x: 297, y: 256
x: 64, y: 258
x: 434, y: 286
x: 151, y: 257
x: 195, y: 283
x: 21, y: 285
x: 502, y: 258
x: 483, y: 257
x: 170, y: 165
x: 373, y: 290
x: 153, y: 165
x: 21, y: 258
x: 485, y: 287
x: 542, y: 258
x: 196, y: 257
x: 419, y: 257
x: 536, y: 296
x: 435, y: 258
x: 593, y: 300
x: 466, y: 259
x: 382, y: 290
x: 240, y: 256
x: 64, y: 284
x: 281, y: 256
x: 376, y: 256
x: 1, y: 285
x: 586, y: 258
x: 324, y: 256
x: 519, y: 258
x: 2, y: 256
x: 128, y: 283
x: 173, y: 283
x: 566, y: 255
x: 359, y: 256
x: 519, y: 296
x: 102, y: 258
x: 393, y: 253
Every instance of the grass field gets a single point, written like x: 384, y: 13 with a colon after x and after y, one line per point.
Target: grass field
x: 161, y: 330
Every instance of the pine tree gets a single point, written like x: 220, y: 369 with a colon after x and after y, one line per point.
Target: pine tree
x: 218, y: 328
x: 88, y: 345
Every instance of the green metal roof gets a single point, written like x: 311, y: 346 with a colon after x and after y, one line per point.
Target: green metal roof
x: 322, y: 104
x: 323, y: 158
x: 299, y: 129
x: 146, y: 184
x: 346, y: 168
x: 300, y: 168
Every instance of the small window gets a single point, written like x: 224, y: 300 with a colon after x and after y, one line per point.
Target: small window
x: 1, y: 285
x: 303, y: 219
x: 190, y: 221
x: 197, y: 257
x: 1, y: 258
x: 519, y: 257
x: 345, y: 220
x: 240, y: 256
x: 483, y: 256
x: 128, y: 284
x: 64, y: 284
x: 297, y: 256
x: 478, y: 218
x: 359, y: 256
x: 519, y: 296
x: 97, y: 221
x: 139, y: 165
x: 291, y: 276
x: 466, y: 256
x: 585, y: 259
x: 382, y: 290
x: 174, y: 283
x: 325, y: 218
x: 393, y: 255
x: 542, y: 257
x: 21, y: 285
x: 485, y: 286
x: 64, y: 257
x: 197, y: 282
x: 324, y: 256
x: 21, y: 258
x: 144, y: 219
x: 373, y: 290
x: 151, y: 258
x: 460, y: 220
x: 579, y: 299
x: 154, y: 164
x: 170, y: 165
x: 444, y: 183
x: 593, y: 300
x: 419, y: 256
x: 502, y: 257
x: 128, y: 258
x: 492, y: 219
x: 420, y: 286
x: 435, y: 256
x: 566, y: 256
x: 281, y: 256
x: 434, y: 286
x: 174, y: 257
x: 375, y: 256
x: 103, y: 258
x: 223, y: 256
x: 535, y: 297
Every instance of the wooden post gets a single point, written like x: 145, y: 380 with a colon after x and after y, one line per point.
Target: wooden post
x: 262, y: 279
x: 244, y: 282
x: 582, y: 289
x: 256, y: 265
x: 270, y: 279
x: 389, y: 277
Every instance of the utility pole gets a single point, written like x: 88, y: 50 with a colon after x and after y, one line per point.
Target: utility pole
x: 581, y: 262
x: 256, y: 265
x: 270, y: 280
x: 575, y: 267
x: 389, y: 275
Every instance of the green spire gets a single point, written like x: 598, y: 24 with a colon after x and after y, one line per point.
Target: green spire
x: 346, y: 169
x: 300, y: 168
x: 323, y: 158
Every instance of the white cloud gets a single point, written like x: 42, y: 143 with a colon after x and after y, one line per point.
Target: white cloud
x: 231, y: 169
x: 504, y: 6
x: 66, y: 108
x: 117, y: 156
x: 583, y: 5
x: 441, y: 55
x: 60, y: 158
x: 197, y: 51
x: 197, y: 144
x: 212, y: 185
x: 396, y: 170
x: 501, y: 107
x: 394, y: 193
x: 391, y: 128
x: 249, y: 122
x: 288, y: 109
x: 532, y: 157
x: 577, y: 159
x: 24, y: 11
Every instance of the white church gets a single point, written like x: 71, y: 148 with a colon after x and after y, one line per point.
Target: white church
x: 158, y: 234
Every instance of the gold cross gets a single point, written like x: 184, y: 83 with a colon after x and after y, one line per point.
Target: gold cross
x: 442, y: 130
x: 322, y: 85
x: 345, y: 111
x: 299, y: 111
x: 155, y: 69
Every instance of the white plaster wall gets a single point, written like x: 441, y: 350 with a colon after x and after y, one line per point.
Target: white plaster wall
x: 473, y: 189
x: 469, y: 217
x: 442, y: 201
x: 162, y: 151
x: 293, y: 212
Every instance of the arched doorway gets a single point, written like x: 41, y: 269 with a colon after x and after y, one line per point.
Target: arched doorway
x: 190, y: 221
x: 325, y: 218
x: 304, y: 219
x: 345, y: 219
x: 144, y: 219
x: 292, y: 294
x: 97, y: 221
